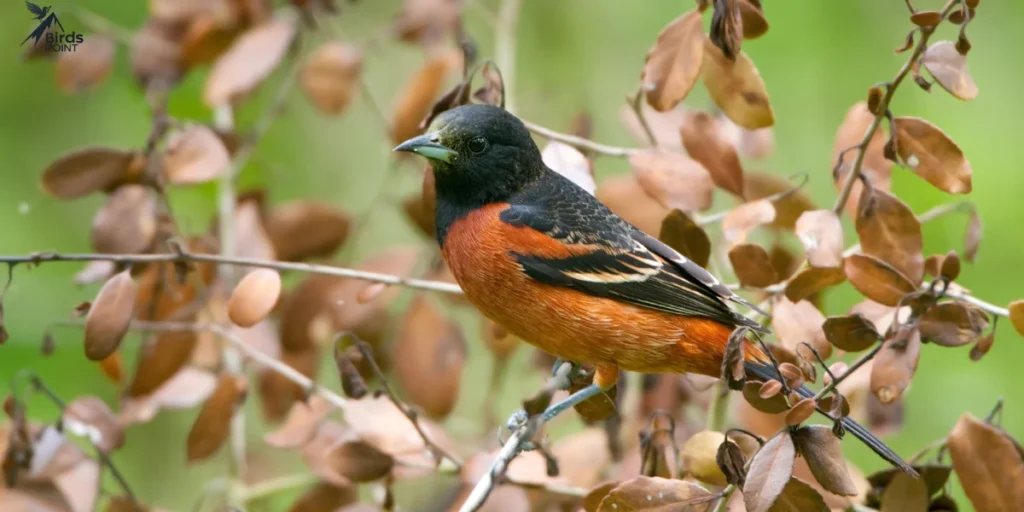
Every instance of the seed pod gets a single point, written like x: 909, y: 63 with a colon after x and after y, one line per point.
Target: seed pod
x: 254, y: 297
x: 109, y: 316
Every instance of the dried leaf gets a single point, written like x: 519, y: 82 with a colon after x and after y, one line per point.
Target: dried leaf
x: 952, y: 324
x: 624, y: 195
x: 663, y: 125
x: 745, y: 218
x: 770, y: 471
x: 752, y: 266
x: 254, y: 297
x: 672, y: 179
x: 324, y: 497
x: 593, y: 499
x: 156, y: 53
x: 821, y: 233
x: 851, y: 333
x: 703, y: 138
x: 800, y: 322
x: 771, y: 405
x: 212, y: 426
x: 653, y: 493
x: 895, y: 364
x: 330, y: 76
x: 80, y: 485
x: 727, y: 27
x: 90, y: 417
x: 949, y: 68
x: 988, y: 465
x: 754, y: 23
x: 982, y: 346
x: 126, y: 224
x: 788, y: 208
x: 87, y: 170
x: 304, y: 229
x: 972, y: 236
x: 812, y: 280
x: 301, y: 425
x: 876, y: 168
x: 932, y: 155
x: 679, y: 232
x: 87, y: 66
x: 360, y: 461
x: 798, y: 496
x: 250, y: 60
x: 1016, y: 309
x: 186, y: 389
x: 417, y: 97
x: 699, y: 456
x: 821, y: 448
x: 800, y: 412
x: 736, y: 87
x: 889, y: 231
x: 934, y: 477
x: 877, y: 280
x: 194, y: 155
x: 159, y: 360
x: 109, y: 317
x: 904, y: 493
x: 426, y: 21
x: 429, y: 348
x: 569, y: 162
x: 674, y: 62
x: 729, y: 458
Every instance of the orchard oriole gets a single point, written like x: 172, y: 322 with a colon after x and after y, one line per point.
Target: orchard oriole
x: 545, y: 260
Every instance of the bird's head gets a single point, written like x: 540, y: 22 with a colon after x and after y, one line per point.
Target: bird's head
x: 479, y: 153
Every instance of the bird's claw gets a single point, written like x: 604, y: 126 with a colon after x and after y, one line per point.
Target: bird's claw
x: 576, y: 368
x: 514, y: 423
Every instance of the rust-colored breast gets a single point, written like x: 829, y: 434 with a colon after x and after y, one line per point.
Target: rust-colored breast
x: 566, y: 322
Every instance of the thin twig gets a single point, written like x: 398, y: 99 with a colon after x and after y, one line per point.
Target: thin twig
x: 185, y: 256
x: 636, y: 104
x: 105, y: 460
x: 505, y: 48
x: 436, y: 450
x: 98, y: 23
x: 580, y: 142
x: 849, y: 371
x: 883, y: 107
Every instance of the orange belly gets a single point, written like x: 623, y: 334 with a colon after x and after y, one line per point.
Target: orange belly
x: 568, y: 323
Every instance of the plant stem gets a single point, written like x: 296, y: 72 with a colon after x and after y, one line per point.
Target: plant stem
x: 505, y: 47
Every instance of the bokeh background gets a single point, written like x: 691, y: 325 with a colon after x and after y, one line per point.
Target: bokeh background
x: 573, y: 55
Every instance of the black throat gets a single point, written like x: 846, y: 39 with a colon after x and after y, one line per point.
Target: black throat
x: 459, y: 194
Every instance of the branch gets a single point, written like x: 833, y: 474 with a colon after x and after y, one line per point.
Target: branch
x: 185, y: 256
x: 849, y: 371
x: 883, y: 109
x: 580, y: 142
x: 505, y: 47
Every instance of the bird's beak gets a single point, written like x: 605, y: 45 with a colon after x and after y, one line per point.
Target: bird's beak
x: 426, y: 145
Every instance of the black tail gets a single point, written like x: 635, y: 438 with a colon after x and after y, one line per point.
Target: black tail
x: 767, y: 372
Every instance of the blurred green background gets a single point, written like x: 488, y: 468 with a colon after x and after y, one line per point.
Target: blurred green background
x: 817, y: 59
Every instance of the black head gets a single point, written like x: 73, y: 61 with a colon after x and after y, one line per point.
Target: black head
x: 480, y: 154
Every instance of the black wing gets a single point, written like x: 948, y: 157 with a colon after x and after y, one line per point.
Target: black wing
x: 611, y: 258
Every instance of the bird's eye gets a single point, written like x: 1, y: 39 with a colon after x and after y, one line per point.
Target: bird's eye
x: 477, y: 145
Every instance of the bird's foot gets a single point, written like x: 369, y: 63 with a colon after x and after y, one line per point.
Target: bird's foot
x: 573, y: 371
x: 514, y: 423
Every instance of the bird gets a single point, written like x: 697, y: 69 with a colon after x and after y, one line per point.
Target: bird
x: 548, y: 262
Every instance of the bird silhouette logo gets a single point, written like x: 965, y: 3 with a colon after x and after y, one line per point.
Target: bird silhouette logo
x: 46, y: 19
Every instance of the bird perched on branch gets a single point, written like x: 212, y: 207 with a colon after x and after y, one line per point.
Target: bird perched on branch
x: 547, y: 261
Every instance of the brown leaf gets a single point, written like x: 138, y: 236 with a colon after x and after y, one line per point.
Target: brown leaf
x: 821, y: 233
x: 569, y: 162
x: 426, y: 21
x: 194, y: 155
x: 972, y: 236
x: 87, y: 170
x: 812, y: 280
x: 251, y: 238
x: 1016, y: 309
x: 672, y: 179
x: 952, y: 324
x: 623, y: 195
x: 788, y: 208
x: 876, y: 167
x: 982, y: 346
x: 330, y: 76
x: 988, y: 465
x: 932, y: 155
x: 305, y: 229
x: 87, y: 66
x: 492, y: 92
x: 109, y: 316
x: 674, y: 62
x: 770, y: 471
x: 126, y: 224
x: 80, y: 485
x: 889, y: 231
x: 739, y: 221
x: 895, y: 364
x: 727, y: 27
x: 679, y: 232
x: 700, y: 456
x: 249, y: 61
x: 653, y: 493
x: 772, y: 405
x: 851, y: 333
x: 663, y: 125
x: 949, y: 69
x: 704, y: 140
x: 877, y: 280
x: 278, y: 393
x: 301, y: 425
x: 754, y: 23
x: 417, y: 97
x: 429, y: 348
x: 752, y: 266
x: 934, y: 477
x: 360, y: 461
x: 254, y: 297
x: 186, y: 389
x: 593, y: 499
x: 159, y: 360
x: 736, y: 87
x: 821, y: 448
x: 798, y: 496
x: 324, y: 497
x: 90, y: 417
x: 156, y: 53
x: 800, y: 322
x: 212, y: 426
x: 904, y: 493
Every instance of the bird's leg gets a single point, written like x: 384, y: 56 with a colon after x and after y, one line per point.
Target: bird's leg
x: 572, y: 372
x: 605, y: 377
